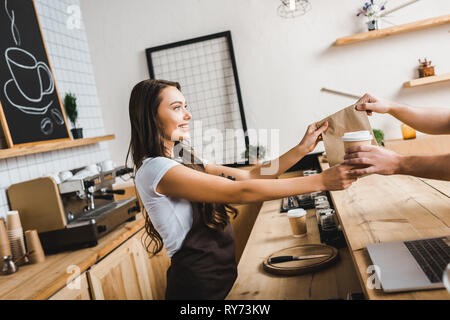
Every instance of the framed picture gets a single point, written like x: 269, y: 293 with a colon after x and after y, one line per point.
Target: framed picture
x: 30, y: 107
x: 206, y: 69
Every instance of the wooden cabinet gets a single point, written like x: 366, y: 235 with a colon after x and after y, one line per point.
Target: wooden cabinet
x: 243, y: 225
x: 122, y: 275
x: 78, y: 289
x: 158, y: 266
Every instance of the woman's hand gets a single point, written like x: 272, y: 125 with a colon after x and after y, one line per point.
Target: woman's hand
x: 371, y: 104
x: 312, y: 136
x: 371, y: 159
x: 337, y: 178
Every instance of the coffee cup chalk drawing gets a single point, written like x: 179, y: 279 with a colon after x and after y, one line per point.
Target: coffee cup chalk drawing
x: 29, y: 85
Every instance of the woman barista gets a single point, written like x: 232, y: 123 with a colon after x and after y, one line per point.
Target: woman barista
x: 186, y: 201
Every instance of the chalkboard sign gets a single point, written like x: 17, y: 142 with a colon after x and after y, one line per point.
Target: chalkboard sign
x: 30, y: 107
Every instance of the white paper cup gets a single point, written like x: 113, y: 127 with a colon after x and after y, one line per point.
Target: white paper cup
x: 107, y: 165
x: 297, y: 220
x: 356, y: 138
x: 93, y: 168
x: 64, y: 175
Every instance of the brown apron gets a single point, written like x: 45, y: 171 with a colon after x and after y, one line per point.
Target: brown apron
x: 204, y: 268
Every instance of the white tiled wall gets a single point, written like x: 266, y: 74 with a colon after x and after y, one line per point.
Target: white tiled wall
x: 69, y: 57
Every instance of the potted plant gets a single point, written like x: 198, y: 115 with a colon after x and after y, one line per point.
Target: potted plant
x: 372, y: 10
x: 379, y: 136
x: 70, y: 105
x: 253, y: 153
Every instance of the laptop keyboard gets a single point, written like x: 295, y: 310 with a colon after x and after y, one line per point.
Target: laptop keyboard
x: 433, y: 255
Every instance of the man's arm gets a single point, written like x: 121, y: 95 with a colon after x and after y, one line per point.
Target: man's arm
x: 426, y: 166
x: 372, y: 159
x: 427, y: 120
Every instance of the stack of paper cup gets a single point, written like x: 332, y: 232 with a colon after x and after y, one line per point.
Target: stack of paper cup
x: 15, y: 235
x: 5, y: 248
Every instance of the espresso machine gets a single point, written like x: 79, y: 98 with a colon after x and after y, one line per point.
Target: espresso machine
x: 74, y: 213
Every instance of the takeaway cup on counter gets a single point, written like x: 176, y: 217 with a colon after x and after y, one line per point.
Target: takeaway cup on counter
x: 5, y: 248
x: 34, y: 246
x: 297, y: 220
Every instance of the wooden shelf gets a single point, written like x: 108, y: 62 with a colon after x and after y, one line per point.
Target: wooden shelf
x: 375, y: 34
x: 427, y: 80
x: 51, y: 146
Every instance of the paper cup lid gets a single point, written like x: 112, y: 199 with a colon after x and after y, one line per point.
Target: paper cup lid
x: 12, y: 212
x: 357, y: 136
x: 296, y: 213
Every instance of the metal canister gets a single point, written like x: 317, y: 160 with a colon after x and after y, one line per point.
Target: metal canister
x: 9, y: 266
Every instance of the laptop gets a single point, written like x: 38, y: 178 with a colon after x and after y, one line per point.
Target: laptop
x: 410, y: 265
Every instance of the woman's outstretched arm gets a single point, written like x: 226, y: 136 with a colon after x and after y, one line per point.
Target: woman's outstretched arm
x: 189, y: 184
x: 272, y: 169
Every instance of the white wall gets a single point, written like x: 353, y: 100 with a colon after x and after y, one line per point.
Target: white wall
x: 69, y: 57
x: 282, y: 63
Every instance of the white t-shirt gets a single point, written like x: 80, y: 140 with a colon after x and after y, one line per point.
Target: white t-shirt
x: 171, y: 217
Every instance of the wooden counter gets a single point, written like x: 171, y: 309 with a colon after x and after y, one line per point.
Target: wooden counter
x: 271, y: 232
x: 423, y: 144
x: 40, y: 281
x: 380, y: 208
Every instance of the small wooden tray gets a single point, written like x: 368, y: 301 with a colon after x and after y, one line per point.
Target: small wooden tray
x: 297, y: 267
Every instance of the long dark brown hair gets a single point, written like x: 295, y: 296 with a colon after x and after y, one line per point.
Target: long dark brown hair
x: 147, y: 141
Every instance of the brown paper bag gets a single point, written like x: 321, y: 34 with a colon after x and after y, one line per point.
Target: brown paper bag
x: 346, y: 120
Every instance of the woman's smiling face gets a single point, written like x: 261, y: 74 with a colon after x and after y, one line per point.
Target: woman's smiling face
x: 173, y: 114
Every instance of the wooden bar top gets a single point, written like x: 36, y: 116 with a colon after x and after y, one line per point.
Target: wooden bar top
x: 40, y: 281
x: 271, y: 232
x: 379, y: 208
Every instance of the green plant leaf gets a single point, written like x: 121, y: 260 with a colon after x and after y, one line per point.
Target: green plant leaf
x: 379, y: 136
x: 70, y: 105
